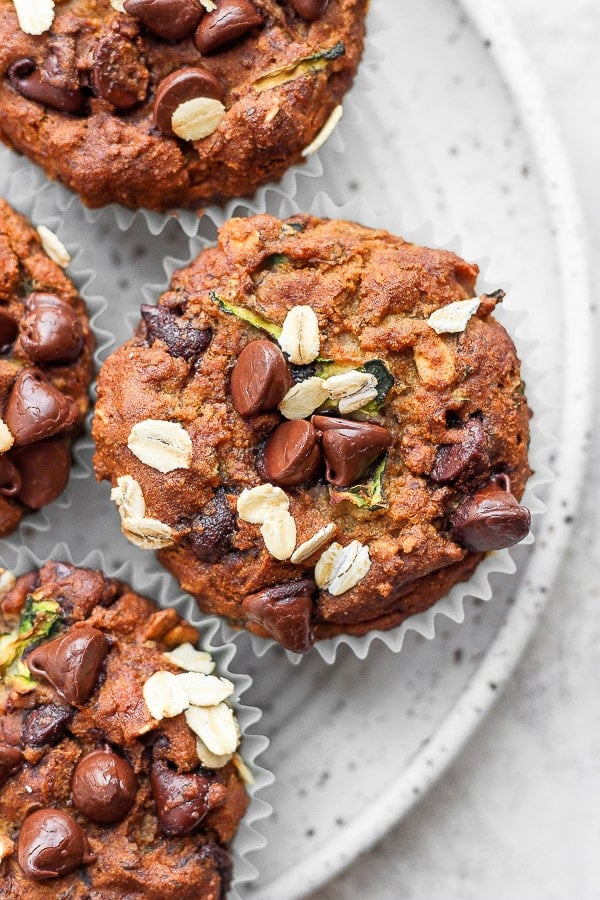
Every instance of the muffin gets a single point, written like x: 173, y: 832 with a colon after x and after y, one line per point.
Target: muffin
x: 46, y: 348
x: 320, y: 427
x: 118, y: 766
x: 165, y: 103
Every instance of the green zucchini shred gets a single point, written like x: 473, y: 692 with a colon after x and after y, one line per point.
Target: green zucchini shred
x: 307, y: 65
x: 246, y: 315
x: 369, y: 495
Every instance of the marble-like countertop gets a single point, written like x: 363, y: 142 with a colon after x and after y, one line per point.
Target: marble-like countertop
x: 518, y: 815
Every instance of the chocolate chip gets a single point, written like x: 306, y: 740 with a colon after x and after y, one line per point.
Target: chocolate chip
x: 212, y: 530
x: 259, y: 378
x: 46, y: 724
x: 10, y: 480
x: 349, y: 447
x: 285, y: 612
x: 71, y: 662
x: 118, y: 75
x: 491, y: 519
x: 43, y: 469
x: 8, y: 328
x: 36, y: 409
x: 182, y: 800
x: 11, y: 761
x: 310, y: 9
x: 103, y: 786
x: 182, y: 339
x: 229, y: 21
x: 38, y: 299
x: 52, y: 334
x: 465, y: 459
x: 51, y: 843
x: 179, y: 87
x: 27, y: 80
x: 172, y: 20
x: 292, y: 454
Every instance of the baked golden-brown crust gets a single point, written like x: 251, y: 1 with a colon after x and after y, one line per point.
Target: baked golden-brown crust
x: 372, y: 294
x: 109, y: 155
x: 133, y: 858
x: 27, y: 274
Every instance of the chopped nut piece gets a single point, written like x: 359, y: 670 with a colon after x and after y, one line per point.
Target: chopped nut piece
x: 208, y: 5
x: 6, y: 438
x: 256, y: 504
x: 197, y: 118
x: 55, y: 248
x: 164, y: 446
x: 325, y: 132
x: 279, y: 534
x: 343, y: 568
x: 205, y: 690
x: 215, y: 726
x: 35, y: 16
x: 314, y: 543
x: 299, y: 336
x: 191, y: 660
x: 165, y: 695
x: 454, y: 317
x: 208, y: 759
x: 302, y: 399
x: 117, y: 5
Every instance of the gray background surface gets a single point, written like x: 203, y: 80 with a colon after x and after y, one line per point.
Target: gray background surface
x: 518, y: 816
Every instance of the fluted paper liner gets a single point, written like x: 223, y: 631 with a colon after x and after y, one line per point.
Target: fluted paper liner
x: 161, y: 588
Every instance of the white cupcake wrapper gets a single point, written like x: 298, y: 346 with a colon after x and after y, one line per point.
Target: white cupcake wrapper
x: 495, y: 576
x: 161, y: 588
x: 298, y: 181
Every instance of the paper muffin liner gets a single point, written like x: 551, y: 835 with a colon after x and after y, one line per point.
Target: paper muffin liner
x: 298, y: 181
x: 161, y: 588
x: 494, y: 577
x: 20, y: 190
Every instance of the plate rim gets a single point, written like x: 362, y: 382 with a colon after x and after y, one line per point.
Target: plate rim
x: 496, y: 29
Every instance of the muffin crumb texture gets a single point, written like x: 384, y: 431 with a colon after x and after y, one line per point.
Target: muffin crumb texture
x: 119, y: 772
x: 356, y: 428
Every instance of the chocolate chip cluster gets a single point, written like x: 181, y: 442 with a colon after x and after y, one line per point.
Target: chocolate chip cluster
x: 189, y: 101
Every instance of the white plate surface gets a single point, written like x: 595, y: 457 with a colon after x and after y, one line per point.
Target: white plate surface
x: 454, y: 132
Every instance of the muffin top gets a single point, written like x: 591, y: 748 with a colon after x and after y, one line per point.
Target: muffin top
x: 46, y: 348
x: 164, y: 103
x: 320, y: 427
x: 118, y: 768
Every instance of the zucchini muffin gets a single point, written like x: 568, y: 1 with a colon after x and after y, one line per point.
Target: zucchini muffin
x: 46, y: 348
x: 165, y: 103
x: 119, y: 775
x: 321, y: 428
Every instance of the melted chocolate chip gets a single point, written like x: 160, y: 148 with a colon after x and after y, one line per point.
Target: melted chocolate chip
x: 51, y: 844
x: 52, y: 334
x: 43, y: 471
x: 232, y: 19
x: 46, y: 724
x: 349, y: 447
x: 172, y: 20
x: 491, y: 519
x: 10, y: 479
x: 292, y: 454
x: 103, y: 786
x: 11, y: 760
x: 285, y: 612
x: 71, y: 662
x: 259, y: 379
x: 182, y: 800
x: 9, y: 328
x: 310, y: 9
x: 465, y: 459
x: 213, y: 529
x: 118, y: 74
x: 36, y: 409
x: 182, y: 338
x: 38, y: 299
x: 185, y: 84
x: 28, y: 81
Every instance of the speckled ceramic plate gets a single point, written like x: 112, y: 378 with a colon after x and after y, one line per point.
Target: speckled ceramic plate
x: 454, y: 133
